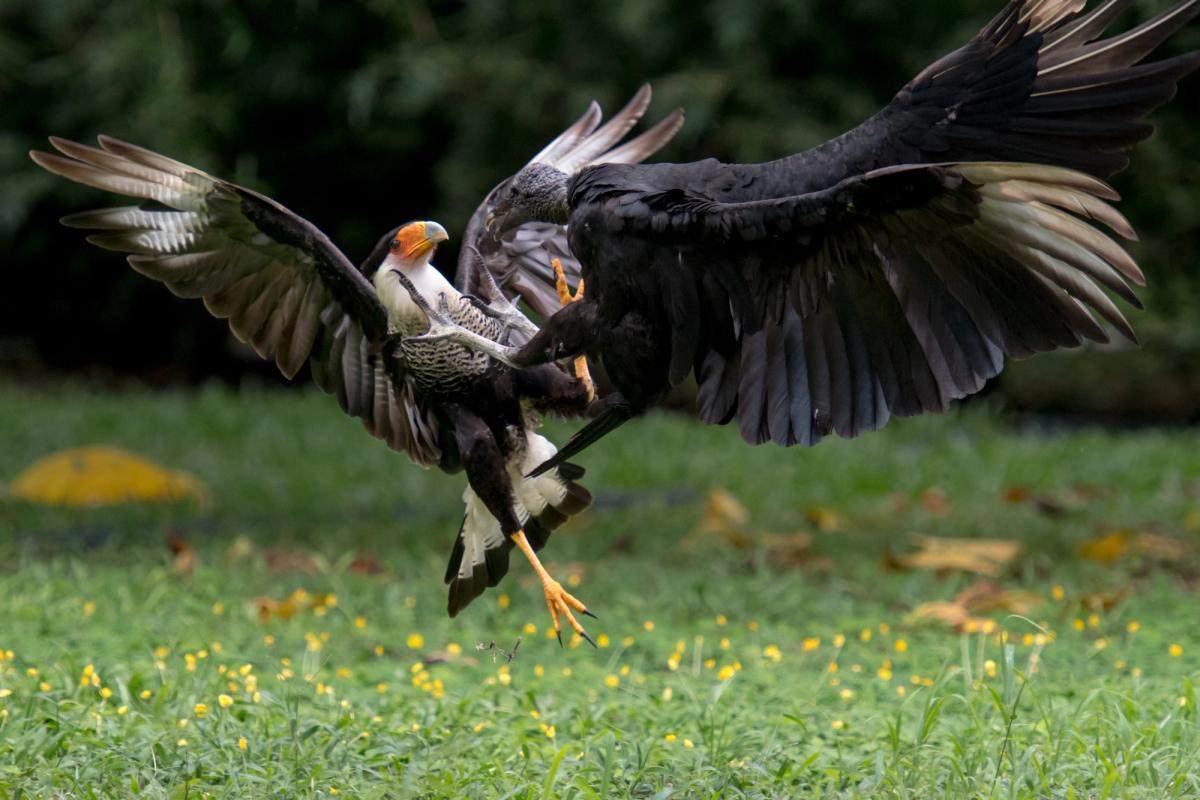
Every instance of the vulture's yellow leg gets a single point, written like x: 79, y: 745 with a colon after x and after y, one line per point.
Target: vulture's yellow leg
x: 558, y: 600
x: 564, y: 297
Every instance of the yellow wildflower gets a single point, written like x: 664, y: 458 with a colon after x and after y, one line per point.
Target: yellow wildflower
x: 224, y: 700
x: 725, y: 674
x: 415, y: 641
x: 612, y: 681
x: 242, y: 744
x: 1175, y: 650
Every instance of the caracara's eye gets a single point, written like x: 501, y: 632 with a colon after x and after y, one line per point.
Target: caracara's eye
x: 395, y: 245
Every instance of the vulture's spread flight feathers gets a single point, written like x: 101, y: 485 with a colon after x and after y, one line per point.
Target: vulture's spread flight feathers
x: 888, y: 271
x: 519, y: 260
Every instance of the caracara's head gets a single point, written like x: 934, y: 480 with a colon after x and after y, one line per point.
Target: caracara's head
x: 407, y: 248
x: 413, y: 244
x: 537, y: 193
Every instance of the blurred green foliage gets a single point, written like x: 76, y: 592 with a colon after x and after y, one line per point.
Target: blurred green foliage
x: 361, y: 114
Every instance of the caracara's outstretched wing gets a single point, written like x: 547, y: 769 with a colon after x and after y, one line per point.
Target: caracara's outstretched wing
x: 281, y: 283
x: 519, y: 260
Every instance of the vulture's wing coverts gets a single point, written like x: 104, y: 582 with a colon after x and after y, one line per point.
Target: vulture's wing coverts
x: 281, y: 283
x: 520, y: 259
x: 888, y: 271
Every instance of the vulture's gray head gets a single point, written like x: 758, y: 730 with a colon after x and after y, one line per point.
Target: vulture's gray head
x: 538, y: 193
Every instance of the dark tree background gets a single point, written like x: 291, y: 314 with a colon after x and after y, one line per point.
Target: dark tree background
x: 361, y: 114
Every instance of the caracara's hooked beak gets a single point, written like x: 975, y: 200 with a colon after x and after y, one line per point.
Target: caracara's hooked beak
x: 417, y: 239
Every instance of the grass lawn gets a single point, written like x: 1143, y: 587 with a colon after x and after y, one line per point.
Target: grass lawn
x: 777, y: 656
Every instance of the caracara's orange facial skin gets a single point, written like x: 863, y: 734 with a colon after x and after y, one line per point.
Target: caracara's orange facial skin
x: 416, y: 239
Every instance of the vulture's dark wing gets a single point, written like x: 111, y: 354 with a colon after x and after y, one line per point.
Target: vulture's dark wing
x: 281, y: 283
x: 519, y: 261
x: 890, y: 293
x: 1036, y: 85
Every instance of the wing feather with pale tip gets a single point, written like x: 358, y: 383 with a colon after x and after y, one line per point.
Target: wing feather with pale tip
x: 520, y: 260
x: 280, y: 283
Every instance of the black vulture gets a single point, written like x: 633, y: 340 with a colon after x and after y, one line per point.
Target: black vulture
x: 884, y: 273
x: 286, y: 289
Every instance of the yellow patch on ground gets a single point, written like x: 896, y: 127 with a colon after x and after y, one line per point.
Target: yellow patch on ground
x: 95, y: 476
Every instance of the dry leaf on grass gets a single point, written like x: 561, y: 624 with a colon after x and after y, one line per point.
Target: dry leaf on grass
x: 183, y: 557
x: 725, y: 517
x: 935, y: 501
x: 823, y: 518
x: 988, y: 557
x: 365, y: 565
x: 269, y: 607
x: 1105, y: 601
x: 1115, y: 545
x: 722, y: 511
x: 290, y: 561
x: 982, y: 597
x: 944, y: 612
x: 94, y: 476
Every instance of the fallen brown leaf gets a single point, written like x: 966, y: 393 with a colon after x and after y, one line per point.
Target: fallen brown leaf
x: 290, y: 561
x: 1105, y: 601
x: 183, y: 557
x: 240, y: 549
x: 986, y: 596
x: 986, y: 557
x: 365, y: 565
x: 791, y: 550
x: 944, y: 612
x: 1017, y: 494
x: 721, y: 512
x: 935, y: 501
x: 100, y: 475
x: 823, y: 518
x: 269, y: 607
x: 1118, y: 544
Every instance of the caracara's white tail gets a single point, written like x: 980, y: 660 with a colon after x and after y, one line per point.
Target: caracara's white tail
x: 480, y: 556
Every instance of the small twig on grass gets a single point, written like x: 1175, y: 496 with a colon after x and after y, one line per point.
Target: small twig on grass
x: 496, y: 650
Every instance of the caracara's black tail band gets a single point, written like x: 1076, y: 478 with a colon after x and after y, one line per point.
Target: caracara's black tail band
x: 608, y: 421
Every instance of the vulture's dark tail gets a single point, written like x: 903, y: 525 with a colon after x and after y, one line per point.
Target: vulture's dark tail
x: 608, y: 421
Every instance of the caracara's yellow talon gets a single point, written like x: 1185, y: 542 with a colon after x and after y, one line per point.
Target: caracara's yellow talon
x: 564, y: 297
x: 558, y: 600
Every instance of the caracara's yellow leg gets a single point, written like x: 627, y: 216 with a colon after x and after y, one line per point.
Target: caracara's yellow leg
x: 564, y: 297
x: 558, y: 600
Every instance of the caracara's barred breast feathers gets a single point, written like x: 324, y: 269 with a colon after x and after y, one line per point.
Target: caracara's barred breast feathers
x: 442, y: 366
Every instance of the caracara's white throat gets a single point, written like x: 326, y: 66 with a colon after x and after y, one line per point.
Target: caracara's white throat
x: 404, y: 315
